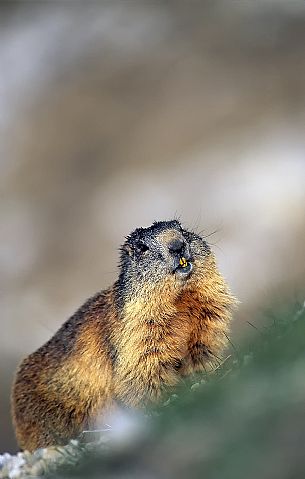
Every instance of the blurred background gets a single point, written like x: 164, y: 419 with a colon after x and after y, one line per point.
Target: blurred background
x: 116, y: 114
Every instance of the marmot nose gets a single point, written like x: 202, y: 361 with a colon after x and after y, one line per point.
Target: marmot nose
x: 176, y: 246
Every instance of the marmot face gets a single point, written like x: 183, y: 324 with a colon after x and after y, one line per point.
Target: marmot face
x: 164, y: 251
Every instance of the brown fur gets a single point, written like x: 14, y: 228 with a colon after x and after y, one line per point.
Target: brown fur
x: 102, y: 357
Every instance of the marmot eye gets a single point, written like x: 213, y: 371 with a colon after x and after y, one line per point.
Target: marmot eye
x: 142, y: 247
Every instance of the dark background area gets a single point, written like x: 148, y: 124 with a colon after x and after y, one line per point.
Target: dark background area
x: 115, y: 114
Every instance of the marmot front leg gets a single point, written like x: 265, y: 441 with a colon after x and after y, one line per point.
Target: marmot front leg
x: 205, y: 343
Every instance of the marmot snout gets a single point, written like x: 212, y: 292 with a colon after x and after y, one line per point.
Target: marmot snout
x: 167, y: 316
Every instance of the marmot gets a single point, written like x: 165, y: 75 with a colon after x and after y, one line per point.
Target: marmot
x: 167, y: 316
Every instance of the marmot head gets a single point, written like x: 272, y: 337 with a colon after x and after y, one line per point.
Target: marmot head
x: 163, y: 254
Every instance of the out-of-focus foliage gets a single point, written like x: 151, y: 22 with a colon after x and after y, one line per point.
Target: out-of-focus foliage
x: 245, y: 419
x: 248, y: 420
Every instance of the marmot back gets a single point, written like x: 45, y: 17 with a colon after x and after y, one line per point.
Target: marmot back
x: 167, y: 316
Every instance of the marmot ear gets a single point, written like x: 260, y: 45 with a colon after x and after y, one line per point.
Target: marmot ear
x: 128, y: 249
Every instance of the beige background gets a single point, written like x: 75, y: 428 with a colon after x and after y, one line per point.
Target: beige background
x: 115, y: 114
